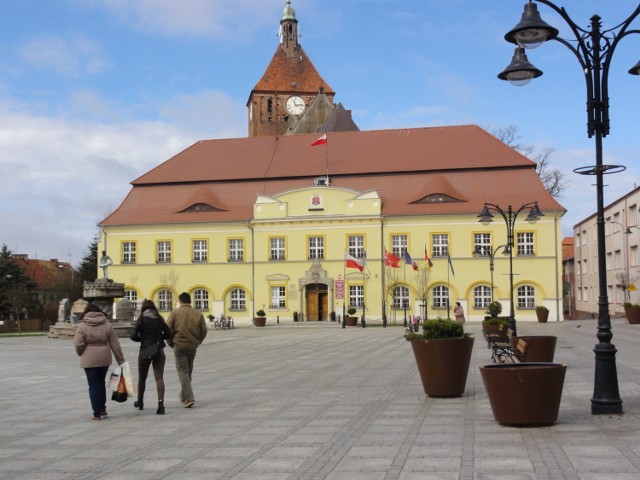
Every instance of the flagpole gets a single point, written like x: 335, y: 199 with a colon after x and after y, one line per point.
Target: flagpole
x: 364, y: 291
x: 344, y: 292
x: 404, y: 301
x: 326, y: 157
x: 449, y: 294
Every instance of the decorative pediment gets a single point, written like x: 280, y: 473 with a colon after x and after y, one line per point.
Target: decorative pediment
x: 315, y: 274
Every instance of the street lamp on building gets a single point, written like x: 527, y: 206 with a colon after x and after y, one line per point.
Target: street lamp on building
x: 510, y: 216
x: 487, y: 251
x: 593, y: 49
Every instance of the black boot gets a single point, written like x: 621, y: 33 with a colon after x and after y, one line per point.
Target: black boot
x: 160, y: 410
x: 138, y: 404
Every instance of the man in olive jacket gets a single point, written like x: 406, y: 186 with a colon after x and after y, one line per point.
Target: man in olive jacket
x: 189, y: 330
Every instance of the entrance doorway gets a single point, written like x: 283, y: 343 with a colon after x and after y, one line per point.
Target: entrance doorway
x: 317, y: 299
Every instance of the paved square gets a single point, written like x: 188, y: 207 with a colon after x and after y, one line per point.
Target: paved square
x: 311, y: 401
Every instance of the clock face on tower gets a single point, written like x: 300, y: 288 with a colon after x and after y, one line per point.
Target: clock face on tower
x: 295, y: 105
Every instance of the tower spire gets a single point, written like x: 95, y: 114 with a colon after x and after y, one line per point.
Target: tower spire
x: 289, y: 30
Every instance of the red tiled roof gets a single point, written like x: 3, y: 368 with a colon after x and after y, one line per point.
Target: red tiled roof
x: 403, y: 166
x: 291, y: 74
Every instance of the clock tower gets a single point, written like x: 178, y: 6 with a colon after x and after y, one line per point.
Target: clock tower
x: 288, y: 86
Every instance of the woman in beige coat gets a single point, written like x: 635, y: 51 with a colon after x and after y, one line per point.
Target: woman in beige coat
x: 94, y: 341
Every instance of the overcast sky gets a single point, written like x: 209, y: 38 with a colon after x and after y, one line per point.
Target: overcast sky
x: 94, y: 93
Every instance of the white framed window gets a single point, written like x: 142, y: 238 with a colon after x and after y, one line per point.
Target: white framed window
x: 609, y: 260
x: 201, y: 300
x: 399, y: 244
x: 163, y: 252
x: 526, y: 297
x: 607, y: 226
x: 525, y: 244
x: 482, y: 244
x: 128, y: 252
x: 356, y: 245
x: 276, y: 248
x: 238, y: 300
x: 440, y: 297
x: 440, y: 245
x: 400, y: 297
x: 633, y: 256
x: 236, y: 250
x: 316, y: 247
x: 617, y: 259
x: 131, y: 295
x: 481, y: 297
x: 199, y: 251
x: 356, y: 296
x: 278, y: 298
x: 633, y: 215
x: 164, y: 300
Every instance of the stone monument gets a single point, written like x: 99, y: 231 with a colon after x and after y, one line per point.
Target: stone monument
x: 103, y: 291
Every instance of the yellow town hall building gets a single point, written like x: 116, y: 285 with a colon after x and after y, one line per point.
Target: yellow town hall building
x: 266, y: 222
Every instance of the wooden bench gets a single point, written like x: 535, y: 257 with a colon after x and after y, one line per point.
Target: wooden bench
x: 502, y: 352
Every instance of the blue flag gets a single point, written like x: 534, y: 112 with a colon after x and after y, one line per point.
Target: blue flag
x: 451, y: 265
x: 407, y: 258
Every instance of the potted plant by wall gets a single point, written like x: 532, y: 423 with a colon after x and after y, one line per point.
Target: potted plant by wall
x: 351, y: 320
x: 260, y: 320
x: 632, y: 311
x: 542, y: 313
x: 494, y: 309
x: 443, y: 353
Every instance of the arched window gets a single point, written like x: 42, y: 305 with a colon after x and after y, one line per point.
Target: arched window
x: 440, y: 297
x: 164, y: 300
x: 481, y: 297
x: 201, y: 300
x: 237, y: 296
x: 131, y: 295
x: 400, y: 297
x: 526, y: 297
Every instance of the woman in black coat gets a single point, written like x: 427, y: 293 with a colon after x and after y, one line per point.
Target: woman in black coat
x: 151, y: 331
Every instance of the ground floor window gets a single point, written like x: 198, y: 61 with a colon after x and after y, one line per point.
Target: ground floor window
x: 164, y: 301
x: 356, y: 296
x: 526, y: 297
x: 440, y: 297
x: 278, y: 298
x: 400, y: 297
x: 481, y: 297
x: 238, y: 300
x: 201, y: 300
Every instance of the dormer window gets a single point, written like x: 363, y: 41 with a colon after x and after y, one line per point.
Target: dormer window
x: 201, y: 207
x: 321, y: 181
x: 438, y: 198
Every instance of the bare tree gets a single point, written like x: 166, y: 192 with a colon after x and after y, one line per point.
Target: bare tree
x: 553, y: 179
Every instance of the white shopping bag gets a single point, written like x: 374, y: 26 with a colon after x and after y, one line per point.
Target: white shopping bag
x: 114, y: 379
x: 128, y: 379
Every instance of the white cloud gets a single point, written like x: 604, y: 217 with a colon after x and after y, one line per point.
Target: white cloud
x: 60, y: 176
x: 70, y: 56
x: 197, y: 18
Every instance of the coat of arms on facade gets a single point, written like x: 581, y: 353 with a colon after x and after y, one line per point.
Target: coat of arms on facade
x: 316, y: 201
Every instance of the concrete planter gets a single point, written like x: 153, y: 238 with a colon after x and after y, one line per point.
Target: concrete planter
x: 524, y: 394
x: 443, y: 365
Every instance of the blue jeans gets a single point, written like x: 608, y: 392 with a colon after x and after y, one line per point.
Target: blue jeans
x: 96, y: 378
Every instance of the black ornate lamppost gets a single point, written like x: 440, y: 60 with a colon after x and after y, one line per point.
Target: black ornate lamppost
x: 487, y: 251
x: 510, y: 216
x: 594, y: 49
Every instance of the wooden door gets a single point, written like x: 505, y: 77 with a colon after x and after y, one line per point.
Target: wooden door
x: 312, y: 305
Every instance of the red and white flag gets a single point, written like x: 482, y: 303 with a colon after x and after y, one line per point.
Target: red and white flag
x: 390, y: 260
x: 320, y: 141
x: 353, y: 262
